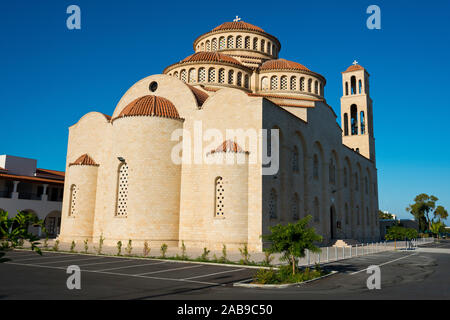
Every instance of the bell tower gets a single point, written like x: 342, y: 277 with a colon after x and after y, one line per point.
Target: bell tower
x: 356, y: 111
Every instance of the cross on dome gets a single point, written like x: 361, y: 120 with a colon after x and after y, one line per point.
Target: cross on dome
x: 355, y: 63
x: 237, y: 19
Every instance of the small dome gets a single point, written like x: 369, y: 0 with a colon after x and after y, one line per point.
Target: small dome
x: 354, y: 67
x: 210, y: 57
x: 282, y: 64
x: 237, y: 25
x: 84, y: 160
x: 150, y: 106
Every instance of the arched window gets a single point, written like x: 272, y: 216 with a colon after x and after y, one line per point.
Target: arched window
x: 192, y: 75
x: 302, y: 84
x: 309, y: 85
x: 345, y: 177
x: 239, y: 79
x: 230, y: 42
x: 265, y: 83
x: 239, y: 42
x: 201, y: 75
x: 316, y: 87
x: 202, y: 46
x: 293, y: 84
x: 247, y: 42
x: 230, y: 77
x: 246, y: 81
x: 283, y: 82
x: 208, y: 45
x: 346, y: 88
x: 268, y: 47
x: 219, y: 197
x: 273, y: 204
x: 354, y: 119
x: 346, y: 214
x: 212, y: 75
x: 175, y: 74
x: 360, y: 86
x: 122, y: 191
x: 273, y: 50
x: 332, y: 172
x: 316, y: 210
x: 274, y: 83
x: 73, y: 200
x: 255, y: 43
x: 295, y: 166
x: 214, y: 44
x: 222, y: 43
x: 262, y: 45
x: 183, y: 75
x: 353, y: 84
x: 316, y: 167
x: 295, y: 206
x: 221, y: 75
x: 363, y: 122
x: 321, y: 89
x: 345, y: 124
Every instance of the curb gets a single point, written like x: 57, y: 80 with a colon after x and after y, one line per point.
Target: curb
x: 246, y: 284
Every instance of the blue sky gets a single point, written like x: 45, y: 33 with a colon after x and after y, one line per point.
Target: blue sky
x: 51, y: 76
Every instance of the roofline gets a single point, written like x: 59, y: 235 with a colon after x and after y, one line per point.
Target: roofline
x: 31, y: 179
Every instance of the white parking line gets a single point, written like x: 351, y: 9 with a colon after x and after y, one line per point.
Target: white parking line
x: 44, y: 257
x: 167, y: 270
x: 118, y: 274
x: 133, y: 266
x: 60, y: 261
x: 385, y: 263
x: 91, y: 264
x: 213, y: 274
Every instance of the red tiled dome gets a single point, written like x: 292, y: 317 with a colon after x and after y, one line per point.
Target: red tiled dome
x: 210, y: 57
x: 237, y: 25
x: 282, y: 64
x: 84, y: 160
x: 150, y: 106
x: 354, y: 67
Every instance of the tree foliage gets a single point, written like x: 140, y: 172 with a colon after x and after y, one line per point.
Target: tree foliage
x: 382, y: 215
x: 401, y: 233
x: 425, y: 211
x: 292, y: 240
x: 13, y: 231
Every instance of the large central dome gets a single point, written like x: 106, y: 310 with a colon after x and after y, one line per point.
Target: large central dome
x: 237, y: 25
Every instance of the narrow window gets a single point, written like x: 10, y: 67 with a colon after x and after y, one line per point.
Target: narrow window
x: 354, y: 119
x: 262, y: 45
x: 122, y: 191
x: 192, y: 76
x: 283, y: 83
x: 345, y: 124
x: 222, y: 76
x: 239, y: 42
x: 255, y: 43
x: 273, y: 205
x: 353, y: 84
x: 310, y: 85
x: 302, y: 84
x: 274, y: 83
x: 214, y: 44
x: 360, y: 86
x: 212, y: 75
x: 222, y: 43
x: 183, y: 75
x: 201, y: 75
x: 265, y: 83
x: 239, y: 79
x: 73, y: 200
x: 247, y: 42
x: 295, y: 166
x: 230, y: 77
x: 230, y: 42
x: 208, y: 45
x: 294, y: 206
x: 219, y: 197
x: 316, y: 87
x: 346, y: 88
x: 293, y: 84
x: 316, y: 167
x: 363, y: 123
x: 246, y: 81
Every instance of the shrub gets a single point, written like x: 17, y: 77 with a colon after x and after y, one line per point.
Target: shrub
x: 163, y: 250
x: 100, y: 244
x: 245, y: 254
x: 284, y: 275
x: 268, y: 258
x: 72, y: 246
x: 129, y: 247
x: 56, y: 246
x: 146, y: 249
x: 205, y: 254
x: 264, y: 276
x: 224, y: 254
x: 119, y: 248
x: 86, y: 245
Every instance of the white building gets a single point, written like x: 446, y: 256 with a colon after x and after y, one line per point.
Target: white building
x: 25, y: 187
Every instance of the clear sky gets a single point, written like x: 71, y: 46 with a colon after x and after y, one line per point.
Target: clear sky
x: 51, y: 76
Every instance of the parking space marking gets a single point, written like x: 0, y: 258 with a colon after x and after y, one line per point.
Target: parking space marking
x: 133, y: 266
x: 118, y: 274
x: 385, y: 263
x: 91, y: 264
x: 213, y: 274
x: 160, y: 271
x: 60, y: 261
x: 45, y: 257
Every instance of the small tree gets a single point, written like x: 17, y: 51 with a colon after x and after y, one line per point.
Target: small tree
x: 146, y: 249
x: 163, y: 250
x: 292, y: 240
x: 86, y: 245
x: 56, y: 245
x: 129, y: 247
x: 395, y: 233
x: 100, y: 244
x: 245, y: 254
x: 205, y: 254
x: 183, y: 250
x: 436, y: 228
x: 224, y: 254
x: 119, y: 247
x: 72, y: 246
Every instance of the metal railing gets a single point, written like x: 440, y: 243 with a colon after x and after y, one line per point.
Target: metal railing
x: 330, y: 254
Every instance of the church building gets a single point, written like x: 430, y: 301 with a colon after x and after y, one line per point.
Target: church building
x: 124, y: 179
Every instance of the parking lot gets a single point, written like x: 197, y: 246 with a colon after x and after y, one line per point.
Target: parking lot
x: 127, y: 275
